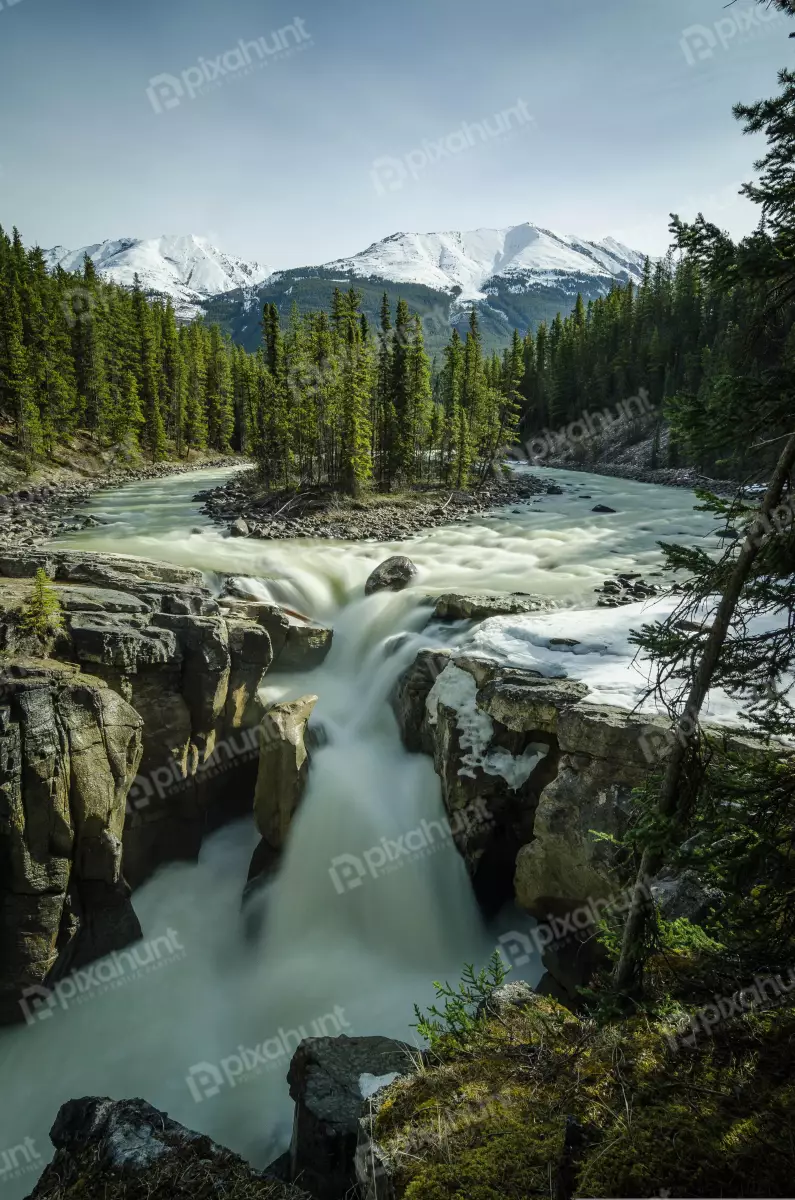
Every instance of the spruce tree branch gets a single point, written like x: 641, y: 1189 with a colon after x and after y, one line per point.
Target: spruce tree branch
x: 630, y: 961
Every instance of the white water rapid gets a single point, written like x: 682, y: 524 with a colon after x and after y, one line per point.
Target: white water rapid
x: 308, y: 956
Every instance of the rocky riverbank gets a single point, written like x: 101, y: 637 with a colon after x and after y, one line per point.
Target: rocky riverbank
x: 39, y: 512
x: 624, y: 448
x: 247, y: 511
x: 680, y: 477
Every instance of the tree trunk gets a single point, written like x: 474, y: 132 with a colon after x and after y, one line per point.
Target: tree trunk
x: 629, y: 964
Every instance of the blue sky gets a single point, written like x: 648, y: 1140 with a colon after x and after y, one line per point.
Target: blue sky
x: 631, y: 119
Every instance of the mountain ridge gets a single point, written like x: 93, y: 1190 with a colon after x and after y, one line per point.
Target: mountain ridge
x: 516, y: 276
x: 186, y: 267
x: 468, y: 260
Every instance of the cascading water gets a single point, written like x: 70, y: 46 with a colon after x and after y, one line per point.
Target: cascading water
x: 311, y: 953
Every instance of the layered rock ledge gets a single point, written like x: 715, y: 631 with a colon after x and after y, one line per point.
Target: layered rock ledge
x: 126, y: 735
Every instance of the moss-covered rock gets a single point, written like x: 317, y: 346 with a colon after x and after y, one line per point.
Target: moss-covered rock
x: 540, y: 1103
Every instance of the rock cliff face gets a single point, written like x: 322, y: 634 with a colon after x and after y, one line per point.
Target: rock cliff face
x: 546, y: 768
x: 125, y: 737
x: 537, y: 782
x: 69, y: 751
x: 157, y: 637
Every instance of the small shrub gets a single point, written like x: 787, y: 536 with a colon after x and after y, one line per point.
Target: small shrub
x: 456, y: 1021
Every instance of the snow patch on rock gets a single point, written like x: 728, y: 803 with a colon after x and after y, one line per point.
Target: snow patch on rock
x: 457, y: 689
x: 370, y: 1084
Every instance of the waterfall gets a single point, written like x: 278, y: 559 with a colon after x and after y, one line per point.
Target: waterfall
x: 372, y: 901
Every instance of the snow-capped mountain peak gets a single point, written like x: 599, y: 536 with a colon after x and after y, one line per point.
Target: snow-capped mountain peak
x: 186, y: 267
x: 468, y: 261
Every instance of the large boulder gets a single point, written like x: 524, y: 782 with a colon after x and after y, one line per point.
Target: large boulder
x: 492, y: 773
x: 89, y: 599
x: 537, y: 783
x: 531, y: 774
x: 682, y: 894
x: 522, y: 701
x: 391, y: 576
x: 251, y: 655
x: 127, y: 1148
x: 69, y: 751
x: 101, y: 570
x: 460, y: 606
x: 121, y: 641
x: 331, y: 1081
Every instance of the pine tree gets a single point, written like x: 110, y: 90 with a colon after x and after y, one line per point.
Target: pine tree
x: 195, y: 373
x: 16, y: 386
x: 220, y: 417
x: 355, y: 461
x: 746, y: 648
x: 41, y: 614
x: 125, y: 423
x: 173, y: 382
x: 455, y: 456
x: 153, y: 435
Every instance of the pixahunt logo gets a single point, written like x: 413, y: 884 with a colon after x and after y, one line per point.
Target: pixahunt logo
x: 168, y: 91
x: 349, y: 871
x: 18, y: 1160
x: 173, y: 776
x: 700, y: 42
x: 39, y: 1003
x: 518, y: 948
x: 390, y: 174
x: 206, y: 1079
x: 736, y: 1005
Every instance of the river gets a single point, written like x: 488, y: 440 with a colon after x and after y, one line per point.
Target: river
x: 227, y: 987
